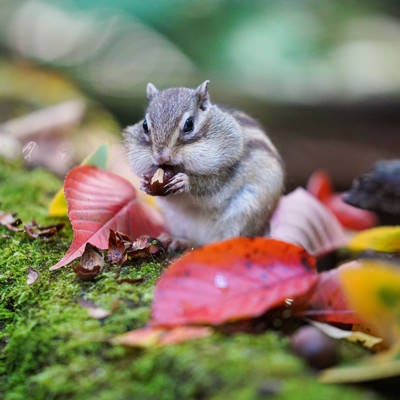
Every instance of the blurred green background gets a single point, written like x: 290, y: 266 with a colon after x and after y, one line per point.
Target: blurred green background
x: 323, y: 76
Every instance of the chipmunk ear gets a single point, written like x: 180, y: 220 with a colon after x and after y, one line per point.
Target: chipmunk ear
x: 151, y: 90
x: 202, y: 94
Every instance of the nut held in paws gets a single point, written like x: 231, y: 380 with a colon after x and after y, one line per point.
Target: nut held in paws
x: 159, y: 180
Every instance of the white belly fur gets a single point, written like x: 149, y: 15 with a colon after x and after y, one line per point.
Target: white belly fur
x: 187, y: 221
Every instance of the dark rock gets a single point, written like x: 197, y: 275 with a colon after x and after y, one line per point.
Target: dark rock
x: 378, y: 190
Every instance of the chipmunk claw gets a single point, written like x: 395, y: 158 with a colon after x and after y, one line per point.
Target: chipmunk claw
x: 178, y: 184
x: 145, y: 184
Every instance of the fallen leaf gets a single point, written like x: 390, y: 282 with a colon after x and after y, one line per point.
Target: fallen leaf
x: 97, y: 158
x: 320, y: 186
x: 145, y: 246
x: 231, y: 280
x: 35, y: 231
x: 383, y: 365
x: 91, y: 263
x: 41, y: 134
x: 116, y: 248
x: 120, y: 247
x: 98, y: 313
x: 151, y: 336
x: 303, y: 220
x: 93, y: 310
x: 334, y: 332
x: 32, y: 277
x: 328, y: 302
x: 131, y: 281
x: 372, y: 289
x: 58, y: 206
x: 10, y: 221
x: 99, y: 201
x: 350, y: 217
x: 382, y: 238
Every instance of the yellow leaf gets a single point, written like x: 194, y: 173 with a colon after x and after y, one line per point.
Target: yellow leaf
x: 372, y: 289
x: 352, y: 336
x: 58, y: 206
x: 150, y: 200
x: 382, y: 238
x: 152, y: 337
x: 383, y: 365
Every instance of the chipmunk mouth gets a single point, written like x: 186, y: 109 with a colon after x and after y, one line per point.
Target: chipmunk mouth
x: 169, y: 166
x: 166, y: 167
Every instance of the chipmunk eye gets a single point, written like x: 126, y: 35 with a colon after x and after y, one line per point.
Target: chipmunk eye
x: 145, y: 127
x: 189, y: 125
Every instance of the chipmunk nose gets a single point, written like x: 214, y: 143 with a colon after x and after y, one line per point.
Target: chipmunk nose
x: 162, y: 156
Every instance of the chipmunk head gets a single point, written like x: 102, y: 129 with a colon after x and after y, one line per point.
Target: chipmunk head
x: 177, y: 130
x: 174, y: 117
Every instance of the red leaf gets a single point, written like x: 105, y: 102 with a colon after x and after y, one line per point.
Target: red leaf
x: 303, y: 220
x: 350, y: 217
x: 231, y: 280
x: 328, y: 302
x: 320, y: 186
x: 99, y: 201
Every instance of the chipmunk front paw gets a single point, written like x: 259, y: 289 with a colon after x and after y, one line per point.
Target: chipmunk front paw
x: 145, y: 184
x: 178, y: 184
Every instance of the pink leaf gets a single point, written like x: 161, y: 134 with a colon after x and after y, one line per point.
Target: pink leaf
x: 328, y: 301
x: 303, y: 220
x: 99, y: 201
x: 350, y: 217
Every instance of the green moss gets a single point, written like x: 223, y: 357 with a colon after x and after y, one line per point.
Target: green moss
x: 52, y: 349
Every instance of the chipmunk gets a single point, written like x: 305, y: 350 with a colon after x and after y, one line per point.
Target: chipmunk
x: 228, y: 174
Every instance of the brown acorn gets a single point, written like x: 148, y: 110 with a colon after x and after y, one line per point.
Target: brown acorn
x: 156, y: 185
x: 315, y: 348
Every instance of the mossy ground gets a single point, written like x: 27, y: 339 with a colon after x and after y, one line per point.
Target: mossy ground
x: 51, y: 348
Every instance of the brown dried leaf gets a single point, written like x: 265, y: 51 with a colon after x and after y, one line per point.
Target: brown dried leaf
x: 35, y: 231
x: 91, y: 263
x: 117, y: 244
x: 32, y: 277
x: 10, y: 221
x: 131, y: 281
x: 145, y: 246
